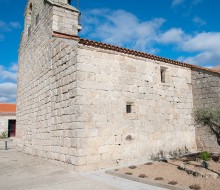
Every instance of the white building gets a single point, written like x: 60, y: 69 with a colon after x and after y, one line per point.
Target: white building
x: 8, y: 119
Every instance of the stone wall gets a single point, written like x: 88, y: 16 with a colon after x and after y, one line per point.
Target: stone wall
x: 34, y: 84
x: 63, y: 126
x: 206, y: 93
x: 44, y: 108
x: 72, y: 99
x: 65, y: 20
x: 4, y: 122
x: 161, y: 118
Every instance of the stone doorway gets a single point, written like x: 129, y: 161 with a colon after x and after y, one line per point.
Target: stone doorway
x: 11, y: 128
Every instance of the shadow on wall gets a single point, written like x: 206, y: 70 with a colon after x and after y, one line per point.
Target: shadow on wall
x: 171, y: 154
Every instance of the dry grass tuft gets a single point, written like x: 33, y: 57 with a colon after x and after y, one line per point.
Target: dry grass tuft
x: 129, y: 173
x: 132, y: 167
x: 195, y: 187
x: 158, y: 178
x: 173, y: 183
x: 142, y: 176
x: 149, y: 163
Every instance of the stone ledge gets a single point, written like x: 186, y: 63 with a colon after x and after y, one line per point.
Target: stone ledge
x: 204, y: 174
x: 145, y: 181
x: 66, y: 6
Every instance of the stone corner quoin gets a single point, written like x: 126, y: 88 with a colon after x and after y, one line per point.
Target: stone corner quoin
x: 97, y: 106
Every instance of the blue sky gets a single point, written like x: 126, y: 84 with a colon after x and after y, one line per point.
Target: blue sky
x: 185, y: 30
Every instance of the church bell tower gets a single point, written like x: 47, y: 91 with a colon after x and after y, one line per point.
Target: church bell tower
x: 65, y: 18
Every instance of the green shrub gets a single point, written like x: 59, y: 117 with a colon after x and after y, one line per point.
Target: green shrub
x: 205, y: 116
x: 206, y: 156
x: 4, y: 135
x: 209, y: 118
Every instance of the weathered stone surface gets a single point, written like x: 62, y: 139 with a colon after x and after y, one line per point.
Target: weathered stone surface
x: 4, y: 118
x: 72, y: 98
x: 206, y: 93
x: 161, y: 113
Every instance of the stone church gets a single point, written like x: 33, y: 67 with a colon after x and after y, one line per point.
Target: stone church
x: 95, y: 105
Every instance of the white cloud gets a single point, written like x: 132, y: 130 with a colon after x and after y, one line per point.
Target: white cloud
x: 185, y: 3
x: 177, y: 2
x: 8, y: 74
x: 8, y: 27
x: 197, y: 20
x: 8, y: 92
x: 14, y: 67
x: 206, y: 58
x: 8, y: 77
x: 173, y: 35
x: 4, y: 26
x: 206, y: 41
x: 121, y: 28
x: 15, y: 25
x: 205, y: 46
x: 125, y: 29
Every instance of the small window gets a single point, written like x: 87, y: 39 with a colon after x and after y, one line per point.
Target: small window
x: 163, y: 74
x: 129, y: 108
x: 37, y: 19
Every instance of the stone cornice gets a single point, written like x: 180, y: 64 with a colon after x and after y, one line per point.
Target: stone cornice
x: 66, y: 6
x: 66, y: 36
x: 7, y: 114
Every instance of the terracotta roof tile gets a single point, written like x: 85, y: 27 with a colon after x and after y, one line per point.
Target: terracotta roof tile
x: 217, y: 68
x: 142, y: 54
x: 7, y: 108
x: 101, y: 45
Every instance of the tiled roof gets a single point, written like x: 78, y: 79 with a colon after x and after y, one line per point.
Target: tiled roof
x: 101, y: 45
x: 217, y: 68
x: 7, y: 108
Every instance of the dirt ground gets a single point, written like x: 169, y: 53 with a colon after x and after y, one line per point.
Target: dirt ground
x: 169, y: 172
